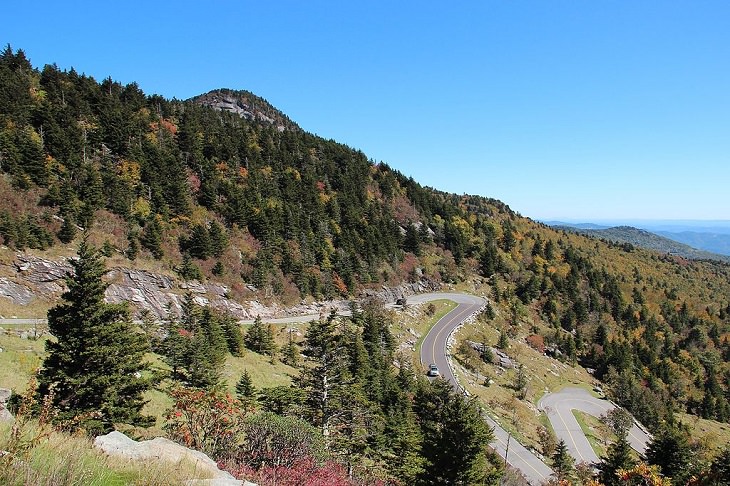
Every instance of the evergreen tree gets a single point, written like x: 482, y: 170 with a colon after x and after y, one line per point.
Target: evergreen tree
x: 720, y: 469
x: 617, y: 457
x: 260, y: 338
x: 152, y: 237
x: 245, y: 390
x: 189, y: 270
x: 198, y: 244
x: 93, y: 365
x: 562, y: 461
x: 290, y: 352
x: 326, y: 379
x: 195, y: 346
x: 503, y: 342
x: 671, y: 451
x: 455, y: 436
x: 67, y: 233
x: 234, y: 336
x: 218, y: 239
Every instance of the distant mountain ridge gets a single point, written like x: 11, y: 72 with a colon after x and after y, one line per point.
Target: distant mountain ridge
x: 641, y: 238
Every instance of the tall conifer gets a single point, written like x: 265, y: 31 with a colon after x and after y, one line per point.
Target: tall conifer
x: 94, y: 365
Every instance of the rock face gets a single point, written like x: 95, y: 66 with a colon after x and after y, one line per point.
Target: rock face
x: 5, y: 415
x: 161, y: 449
x: 393, y: 294
x: 30, y: 278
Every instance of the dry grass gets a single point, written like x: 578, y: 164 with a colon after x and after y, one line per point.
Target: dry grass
x: 54, y: 458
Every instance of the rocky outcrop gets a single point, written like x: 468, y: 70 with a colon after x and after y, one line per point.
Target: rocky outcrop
x: 5, y: 415
x: 164, y: 450
x: 18, y: 294
x: 30, y: 278
x: 44, y: 277
x: 393, y: 294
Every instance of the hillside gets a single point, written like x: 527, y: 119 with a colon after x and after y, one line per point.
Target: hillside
x: 226, y: 191
x: 646, y: 239
x: 711, y: 241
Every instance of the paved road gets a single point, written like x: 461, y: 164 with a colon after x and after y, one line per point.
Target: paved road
x: 559, y: 409
x: 434, y: 350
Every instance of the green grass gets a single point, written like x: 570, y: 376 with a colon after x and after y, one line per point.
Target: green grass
x: 593, y: 429
x: 264, y: 373
x: 19, y: 360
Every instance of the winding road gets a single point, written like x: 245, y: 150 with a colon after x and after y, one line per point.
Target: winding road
x: 559, y: 409
x: 434, y: 350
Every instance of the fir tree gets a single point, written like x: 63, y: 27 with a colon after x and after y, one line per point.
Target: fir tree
x: 260, y: 338
x: 245, y: 390
x: 671, y: 451
x: 290, y: 352
x: 562, y: 462
x: 67, y: 233
x: 455, y: 436
x: 152, y: 237
x: 503, y: 342
x: 617, y: 457
x: 218, y: 239
x: 94, y: 364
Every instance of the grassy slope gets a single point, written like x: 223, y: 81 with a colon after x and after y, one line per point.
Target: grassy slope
x: 56, y: 458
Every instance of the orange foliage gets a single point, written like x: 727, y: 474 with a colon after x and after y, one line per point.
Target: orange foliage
x: 536, y: 342
x: 339, y: 283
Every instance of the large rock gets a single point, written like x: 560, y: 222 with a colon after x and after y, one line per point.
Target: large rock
x: 18, y: 294
x: 161, y: 449
x: 5, y: 415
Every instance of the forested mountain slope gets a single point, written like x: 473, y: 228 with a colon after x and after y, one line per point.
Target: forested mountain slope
x: 647, y: 239
x: 226, y: 187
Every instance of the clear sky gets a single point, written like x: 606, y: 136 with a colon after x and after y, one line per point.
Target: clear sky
x: 581, y: 110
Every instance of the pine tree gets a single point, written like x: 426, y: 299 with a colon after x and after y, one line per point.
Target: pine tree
x: 562, y: 461
x: 234, y: 336
x: 67, y: 233
x: 218, y: 239
x: 671, y: 451
x: 246, y: 391
x: 455, y: 436
x: 195, y: 346
x: 260, y: 338
x: 94, y: 364
x: 503, y: 342
x: 152, y: 237
x: 617, y: 457
x: 290, y: 352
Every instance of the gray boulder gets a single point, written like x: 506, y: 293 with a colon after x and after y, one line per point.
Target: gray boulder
x: 161, y: 449
x: 5, y: 415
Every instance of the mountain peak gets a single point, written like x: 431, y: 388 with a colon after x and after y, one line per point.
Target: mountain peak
x: 246, y: 105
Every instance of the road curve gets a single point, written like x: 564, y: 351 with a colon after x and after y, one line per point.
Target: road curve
x: 559, y: 409
x: 434, y: 350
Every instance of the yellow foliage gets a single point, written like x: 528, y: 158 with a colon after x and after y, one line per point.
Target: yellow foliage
x: 291, y: 171
x: 266, y: 171
x: 141, y: 208
x: 130, y: 171
x: 324, y: 198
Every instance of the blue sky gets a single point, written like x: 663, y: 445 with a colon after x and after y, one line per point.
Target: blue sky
x: 562, y: 109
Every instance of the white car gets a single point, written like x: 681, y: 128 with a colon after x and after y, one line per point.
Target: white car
x: 433, y: 370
